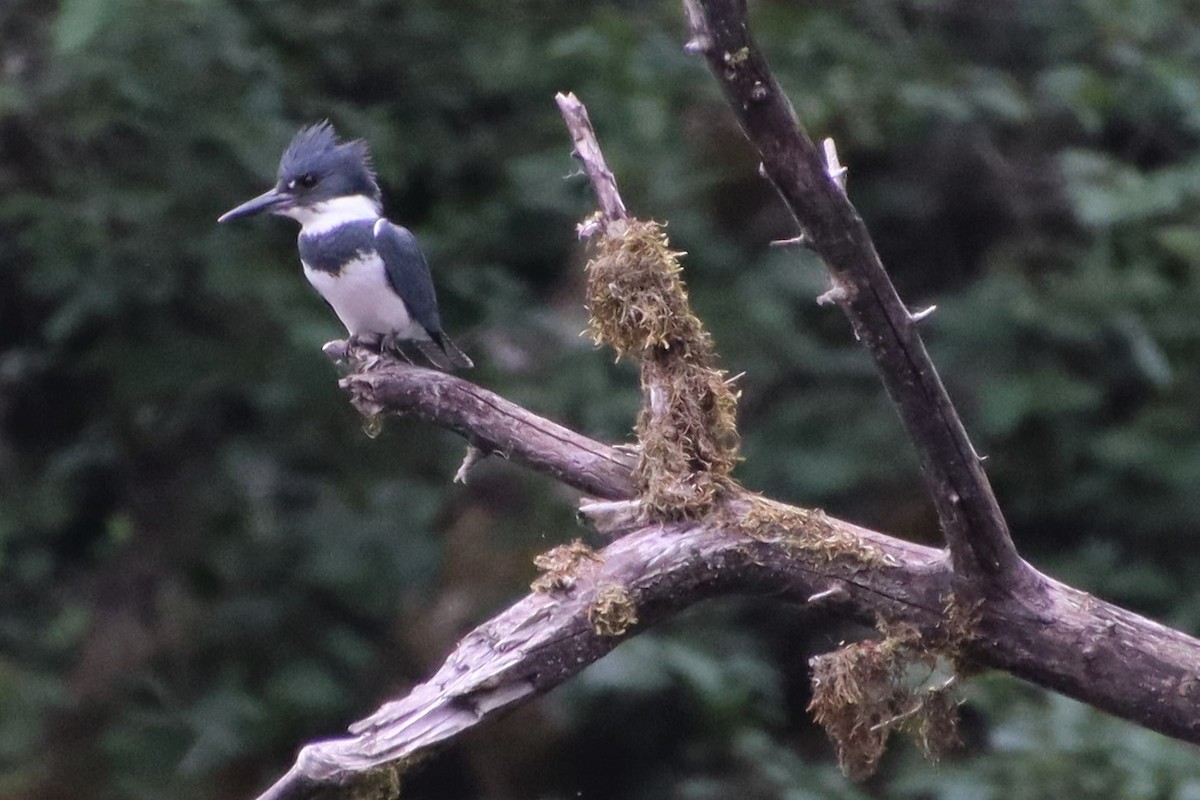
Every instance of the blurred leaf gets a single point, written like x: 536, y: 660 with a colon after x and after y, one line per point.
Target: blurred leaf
x: 80, y: 20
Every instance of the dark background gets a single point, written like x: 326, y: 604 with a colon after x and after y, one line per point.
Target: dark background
x: 203, y: 560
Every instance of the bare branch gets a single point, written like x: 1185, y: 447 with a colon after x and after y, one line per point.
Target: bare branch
x: 548, y: 637
x: 1056, y: 637
x: 587, y: 149
x: 470, y: 458
x: 588, y: 602
x: 975, y: 529
x: 1052, y: 635
x: 493, y: 425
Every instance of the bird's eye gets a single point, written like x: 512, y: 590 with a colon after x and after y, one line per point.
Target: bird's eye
x: 305, y: 181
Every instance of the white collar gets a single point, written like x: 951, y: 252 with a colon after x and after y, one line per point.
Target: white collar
x: 330, y: 214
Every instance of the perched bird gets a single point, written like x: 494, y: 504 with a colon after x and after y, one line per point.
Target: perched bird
x: 369, y: 270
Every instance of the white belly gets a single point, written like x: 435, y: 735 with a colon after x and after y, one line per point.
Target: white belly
x: 364, y: 300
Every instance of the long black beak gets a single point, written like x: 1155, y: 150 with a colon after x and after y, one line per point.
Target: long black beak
x: 266, y: 201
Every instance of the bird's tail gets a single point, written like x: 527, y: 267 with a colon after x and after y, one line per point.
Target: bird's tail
x: 444, y: 354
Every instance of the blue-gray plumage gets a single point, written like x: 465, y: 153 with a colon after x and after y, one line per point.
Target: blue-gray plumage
x: 369, y: 270
x: 329, y: 251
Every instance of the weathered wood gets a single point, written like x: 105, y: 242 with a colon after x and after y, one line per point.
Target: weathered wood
x: 494, y: 425
x: 1096, y: 652
x: 974, y: 527
x: 1051, y: 634
x: 1057, y: 637
x: 547, y: 637
x: 587, y: 150
x: 1018, y: 620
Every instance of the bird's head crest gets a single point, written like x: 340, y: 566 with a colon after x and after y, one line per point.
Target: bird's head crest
x: 332, y: 168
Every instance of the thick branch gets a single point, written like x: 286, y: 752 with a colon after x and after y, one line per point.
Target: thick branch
x: 975, y: 529
x: 548, y: 637
x: 1082, y: 646
x: 1052, y: 635
x: 1048, y: 633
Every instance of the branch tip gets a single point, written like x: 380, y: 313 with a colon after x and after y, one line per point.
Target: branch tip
x: 470, y: 458
x: 587, y: 149
x: 836, y: 295
x: 795, y: 241
x: 917, y: 316
x: 611, y: 518
x: 337, y: 350
x: 837, y: 592
x: 833, y: 167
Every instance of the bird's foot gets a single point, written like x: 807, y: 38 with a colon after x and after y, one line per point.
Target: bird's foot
x: 394, y: 345
x: 358, y: 348
x: 358, y: 352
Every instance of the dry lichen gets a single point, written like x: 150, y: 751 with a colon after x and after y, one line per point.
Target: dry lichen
x: 560, y: 566
x: 688, y: 436
x: 612, y: 612
x: 958, y: 629
x: 864, y: 691
x: 380, y: 783
x: 738, y: 57
x: 805, y: 529
x: 636, y: 298
x: 687, y: 428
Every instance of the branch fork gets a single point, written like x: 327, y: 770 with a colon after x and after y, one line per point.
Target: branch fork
x: 976, y: 602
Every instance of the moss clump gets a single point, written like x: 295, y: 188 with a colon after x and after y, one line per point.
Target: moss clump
x: 960, y: 627
x: 805, y: 529
x: 560, y: 566
x: 636, y: 297
x: 864, y: 691
x: 380, y: 783
x: 687, y: 428
x: 688, y: 435
x: 612, y: 612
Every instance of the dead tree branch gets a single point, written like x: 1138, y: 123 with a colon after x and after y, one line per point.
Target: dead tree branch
x: 587, y: 602
x: 592, y: 604
x: 587, y: 150
x: 494, y: 425
x: 975, y: 530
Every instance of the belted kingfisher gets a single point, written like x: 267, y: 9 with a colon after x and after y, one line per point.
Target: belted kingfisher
x: 369, y: 270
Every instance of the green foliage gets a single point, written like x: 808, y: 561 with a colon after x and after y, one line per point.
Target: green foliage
x: 203, y: 562
x: 1064, y: 749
